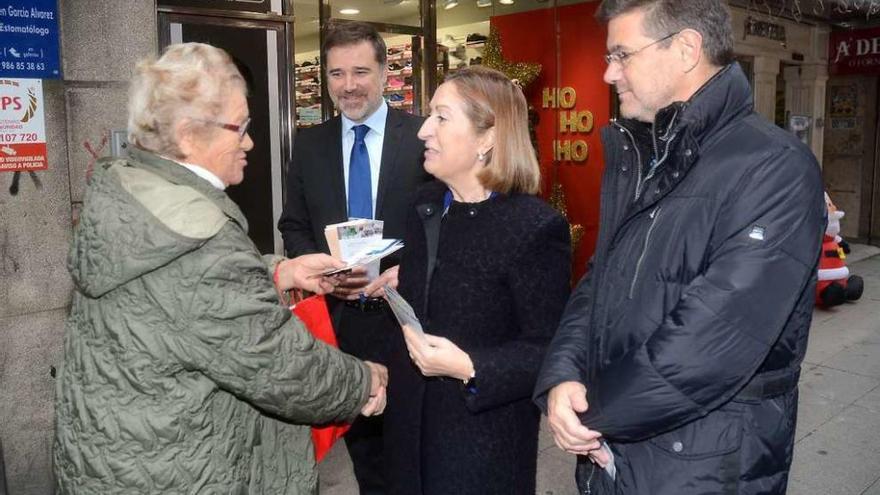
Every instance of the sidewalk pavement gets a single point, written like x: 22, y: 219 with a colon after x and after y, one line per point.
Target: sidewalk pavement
x: 837, y: 445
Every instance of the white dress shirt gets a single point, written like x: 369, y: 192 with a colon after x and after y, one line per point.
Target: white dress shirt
x: 374, y: 140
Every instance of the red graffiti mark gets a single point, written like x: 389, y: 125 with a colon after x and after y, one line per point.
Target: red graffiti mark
x: 96, y: 154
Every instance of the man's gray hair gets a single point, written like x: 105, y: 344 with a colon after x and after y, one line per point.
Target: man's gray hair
x: 711, y: 18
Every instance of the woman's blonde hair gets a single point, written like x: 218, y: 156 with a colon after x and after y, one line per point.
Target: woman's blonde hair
x: 189, y: 80
x: 493, y: 100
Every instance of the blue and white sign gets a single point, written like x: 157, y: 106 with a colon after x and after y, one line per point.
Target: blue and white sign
x: 29, y: 39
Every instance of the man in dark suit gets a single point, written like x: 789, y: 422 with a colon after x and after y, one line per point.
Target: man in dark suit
x: 364, y: 163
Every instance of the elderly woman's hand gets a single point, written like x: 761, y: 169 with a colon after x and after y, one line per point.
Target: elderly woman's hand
x: 303, y: 272
x: 378, y: 383
x: 438, y: 356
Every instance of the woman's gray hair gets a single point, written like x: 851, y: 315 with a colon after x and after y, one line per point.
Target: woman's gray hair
x: 189, y: 81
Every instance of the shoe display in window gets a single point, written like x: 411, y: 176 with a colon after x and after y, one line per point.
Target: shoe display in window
x: 395, y: 82
x: 476, y: 38
x: 460, y: 52
x: 307, y: 91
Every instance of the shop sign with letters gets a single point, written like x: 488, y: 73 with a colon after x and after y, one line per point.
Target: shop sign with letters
x: 22, y: 126
x: 855, y: 52
x: 29, y: 39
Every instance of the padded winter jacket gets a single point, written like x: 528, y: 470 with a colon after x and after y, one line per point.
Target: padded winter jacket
x: 182, y: 371
x: 690, y: 327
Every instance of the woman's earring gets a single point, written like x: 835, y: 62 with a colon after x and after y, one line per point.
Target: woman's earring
x: 481, y: 156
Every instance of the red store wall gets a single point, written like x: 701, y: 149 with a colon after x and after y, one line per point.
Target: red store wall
x: 569, y: 44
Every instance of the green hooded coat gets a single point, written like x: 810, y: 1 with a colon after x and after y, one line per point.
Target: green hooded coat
x: 183, y: 373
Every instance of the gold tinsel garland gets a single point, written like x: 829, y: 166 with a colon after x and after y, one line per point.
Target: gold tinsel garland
x: 557, y: 201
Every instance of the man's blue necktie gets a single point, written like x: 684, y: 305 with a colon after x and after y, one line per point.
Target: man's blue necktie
x: 360, y: 191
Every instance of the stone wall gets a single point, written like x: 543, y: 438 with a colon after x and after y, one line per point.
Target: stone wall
x: 100, y: 43
x: 806, y: 51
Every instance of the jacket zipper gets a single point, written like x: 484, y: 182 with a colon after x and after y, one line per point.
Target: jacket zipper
x: 588, y: 490
x: 653, y: 216
x: 658, y: 160
x: 639, y: 163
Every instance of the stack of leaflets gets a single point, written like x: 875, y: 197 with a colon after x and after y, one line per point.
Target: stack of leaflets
x: 403, y: 311
x: 359, y: 242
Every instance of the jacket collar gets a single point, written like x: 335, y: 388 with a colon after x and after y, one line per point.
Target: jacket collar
x: 725, y: 97
x: 682, y: 130
x: 177, y: 174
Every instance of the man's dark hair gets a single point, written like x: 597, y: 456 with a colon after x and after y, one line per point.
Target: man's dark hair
x: 711, y: 18
x: 347, y: 33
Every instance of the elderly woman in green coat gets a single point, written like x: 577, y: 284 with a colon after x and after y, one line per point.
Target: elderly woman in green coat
x: 183, y: 371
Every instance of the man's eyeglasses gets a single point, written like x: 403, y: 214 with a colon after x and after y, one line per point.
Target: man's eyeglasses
x: 241, y: 130
x: 621, y: 56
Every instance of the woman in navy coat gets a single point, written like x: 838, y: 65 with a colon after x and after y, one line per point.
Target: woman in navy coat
x: 487, y: 269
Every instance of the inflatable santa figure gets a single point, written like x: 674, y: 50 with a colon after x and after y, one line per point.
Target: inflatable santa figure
x: 836, y: 285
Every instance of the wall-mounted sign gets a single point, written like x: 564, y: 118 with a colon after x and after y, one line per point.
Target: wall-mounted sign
x: 264, y: 6
x: 22, y: 127
x: 29, y: 39
x: 764, y: 29
x: 855, y: 52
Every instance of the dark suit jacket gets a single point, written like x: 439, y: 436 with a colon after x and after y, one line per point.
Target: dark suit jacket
x: 316, y: 197
x: 316, y: 184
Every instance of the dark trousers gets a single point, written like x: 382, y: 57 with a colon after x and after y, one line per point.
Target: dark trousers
x: 364, y: 443
x: 365, y: 335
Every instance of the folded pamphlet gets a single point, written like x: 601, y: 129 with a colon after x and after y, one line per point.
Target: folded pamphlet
x: 351, y: 241
x: 403, y: 311
x: 610, y: 468
x: 370, y: 253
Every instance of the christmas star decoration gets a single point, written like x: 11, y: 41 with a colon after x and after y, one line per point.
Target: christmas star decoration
x: 523, y: 72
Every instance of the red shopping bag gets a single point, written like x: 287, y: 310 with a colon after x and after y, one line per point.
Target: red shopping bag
x: 313, y: 313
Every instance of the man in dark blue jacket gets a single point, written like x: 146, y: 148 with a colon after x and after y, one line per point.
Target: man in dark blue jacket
x: 675, y: 366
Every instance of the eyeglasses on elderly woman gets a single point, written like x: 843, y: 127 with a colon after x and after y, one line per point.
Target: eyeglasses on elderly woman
x: 241, y: 129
